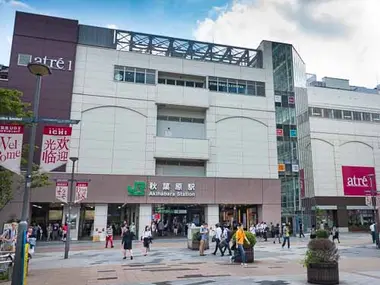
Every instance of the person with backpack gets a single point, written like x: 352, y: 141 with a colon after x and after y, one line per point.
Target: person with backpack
x: 10, y: 237
x: 225, y: 242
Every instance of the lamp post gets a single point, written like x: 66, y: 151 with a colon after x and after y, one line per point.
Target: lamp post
x: 67, y: 242
x: 373, y: 193
x: 39, y: 70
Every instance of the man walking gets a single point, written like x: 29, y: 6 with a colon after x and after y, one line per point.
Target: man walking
x: 301, y: 230
x: 225, y: 243
x: 373, y: 232
x: 240, y: 238
x: 286, y: 236
x: 218, y: 238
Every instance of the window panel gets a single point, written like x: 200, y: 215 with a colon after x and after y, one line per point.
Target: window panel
x: 180, y: 83
x: 190, y: 83
x: 337, y: 114
x: 376, y: 117
x: 118, y: 75
x: 213, y: 84
x: 347, y: 115
x: 199, y: 84
x: 357, y: 116
x: 161, y: 81
x: 140, y: 75
x: 260, y: 88
x: 366, y: 117
x: 251, y: 88
x: 222, y: 85
x: 328, y: 113
x: 317, y: 112
x: 232, y: 86
x: 170, y: 81
x: 242, y: 87
x: 129, y: 76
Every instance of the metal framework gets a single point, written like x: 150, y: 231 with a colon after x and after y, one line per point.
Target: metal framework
x: 187, y: 49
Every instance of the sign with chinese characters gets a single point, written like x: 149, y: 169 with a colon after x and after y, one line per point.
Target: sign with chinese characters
x: 295, y: 168
x: 280, y: 132
x: 55, y: 147
x: 167, y: 189
x: 62, y: 191
x: 80, y: 191
x: 281, y: 167
x: 11, y: 147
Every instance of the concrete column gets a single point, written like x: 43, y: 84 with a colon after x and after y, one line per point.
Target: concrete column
x: 144, y: 218
x: 212, y: 215
x: 100, y: 220
x: 75, y: 216
x: 270, y: 213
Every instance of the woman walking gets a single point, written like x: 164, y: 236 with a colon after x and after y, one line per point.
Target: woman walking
x: 126, y: 242
x: 335, y: 234
x: 147, y: 239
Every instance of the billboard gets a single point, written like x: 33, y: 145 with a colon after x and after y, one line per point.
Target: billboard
x: 357, y: 180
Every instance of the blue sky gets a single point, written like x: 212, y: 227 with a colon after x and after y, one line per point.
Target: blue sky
x: 329, y: 39
x: 175, y: 18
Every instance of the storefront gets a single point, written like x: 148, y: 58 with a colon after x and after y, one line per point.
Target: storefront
x: 113, y: 199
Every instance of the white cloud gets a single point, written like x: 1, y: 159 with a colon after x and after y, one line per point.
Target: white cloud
x: 337, y: 38
x: 112, y: 26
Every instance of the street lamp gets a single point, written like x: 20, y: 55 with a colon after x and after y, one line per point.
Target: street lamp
x: 70, y: 202
x: 373, y: 193
x: 39, y: 70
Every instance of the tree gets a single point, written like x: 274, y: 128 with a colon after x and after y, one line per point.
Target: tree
x: 11, y: 104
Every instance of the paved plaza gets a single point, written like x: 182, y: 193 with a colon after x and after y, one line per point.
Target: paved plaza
x: 171, y: 263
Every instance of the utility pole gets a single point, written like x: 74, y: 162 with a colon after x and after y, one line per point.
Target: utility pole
x: 374, y: 194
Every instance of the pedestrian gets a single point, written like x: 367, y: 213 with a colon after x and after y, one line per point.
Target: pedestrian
x: 109, y: 236
x: 301, y: 230
x: 313, y: 232
x: 225, y: 243
x: 373, y: 232
x: 240, y: 238
x: 126, y: 242
x: 277, y: 233
x: 146, y: 239
x: 204, y: 236
x: 286, y: 236
x: 64, y: 232
x: 335, y: 234
x: 217, y: 238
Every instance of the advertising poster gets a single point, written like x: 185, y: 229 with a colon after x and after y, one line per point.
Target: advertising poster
x: 11, y: 146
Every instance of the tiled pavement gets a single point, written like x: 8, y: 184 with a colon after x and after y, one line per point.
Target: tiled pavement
x: 170, y: 263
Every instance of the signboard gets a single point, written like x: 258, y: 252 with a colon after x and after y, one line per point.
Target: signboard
x: 11, y: 146
x: 295, y: 168
x: 291, y: 100
x: 167, y: 189
x: 281, y: 167
x: 55, y: 147
x: 80, y: 191
x: 293, y: 133
x: 280, y: 132
x: 57, y: 63
x: 277, y: 98
x: 62, y: 191
x: 302, y: 182
x: 138, y: 189
x: 356, y: 180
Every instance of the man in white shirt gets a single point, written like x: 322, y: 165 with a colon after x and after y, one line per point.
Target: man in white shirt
x: 217, y: 238
x: 373, y: 232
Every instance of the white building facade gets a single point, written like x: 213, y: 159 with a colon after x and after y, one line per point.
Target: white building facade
x: 339, y: 145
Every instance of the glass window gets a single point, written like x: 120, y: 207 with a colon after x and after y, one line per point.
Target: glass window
x: 190, y: 83
x: 140, y: 75
x: 292, y: 114
x: 170, y: 81
x: 173, y: 119
x: 162, y: 118
x: 242, y: 87
x: 222, y: 85
x: 328, y: 113
x: 347, y: 115
x: 180, y: 82
x: 357, y: 116
x: 251, y: 90
x: 213, y: 84
x: 232, y: 86
x: 317, y: 112
x: 119, y: 74
x: 150, y: 76
x: 198, y: 121
x: 260, y: 88
x: 129, y: 74
x: 24, y: 59
x: 200, y: 84
x: 337, y: 114
x: 161, y: 81
x: 375, y: 117
x: 186, y: 120
x: 366, y: 117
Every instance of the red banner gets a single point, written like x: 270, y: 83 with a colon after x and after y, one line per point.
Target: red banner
x: 55, y: 147
x: 358, y: 180
x: 11, y: 147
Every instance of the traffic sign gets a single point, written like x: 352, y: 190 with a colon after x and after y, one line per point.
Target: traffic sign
x: 39, y: 120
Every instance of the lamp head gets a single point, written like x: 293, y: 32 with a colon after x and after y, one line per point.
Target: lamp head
x: 73, y: 159
x: 39, y: 69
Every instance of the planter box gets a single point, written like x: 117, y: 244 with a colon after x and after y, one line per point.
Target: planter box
x: 194, y: 245
x: 323, y: 273
x: 249, y: 255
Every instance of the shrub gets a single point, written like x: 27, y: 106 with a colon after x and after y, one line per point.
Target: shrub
x: 321, y: 251
x: 322, y: 234
x: 196, y: 236
x: 251, y: 237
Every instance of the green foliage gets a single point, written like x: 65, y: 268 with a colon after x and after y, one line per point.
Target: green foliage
x: 11, y: 104
x: 321, y: 251
x: 196, y: 236
x: 322, y: 234
x: 251, y: 237
x: 319, y: 215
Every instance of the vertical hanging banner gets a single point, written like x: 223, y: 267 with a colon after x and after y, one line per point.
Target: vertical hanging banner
x: 11, y: 146
x: 55, y: 147
x: 80, y: 191
x: 62, y: 191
